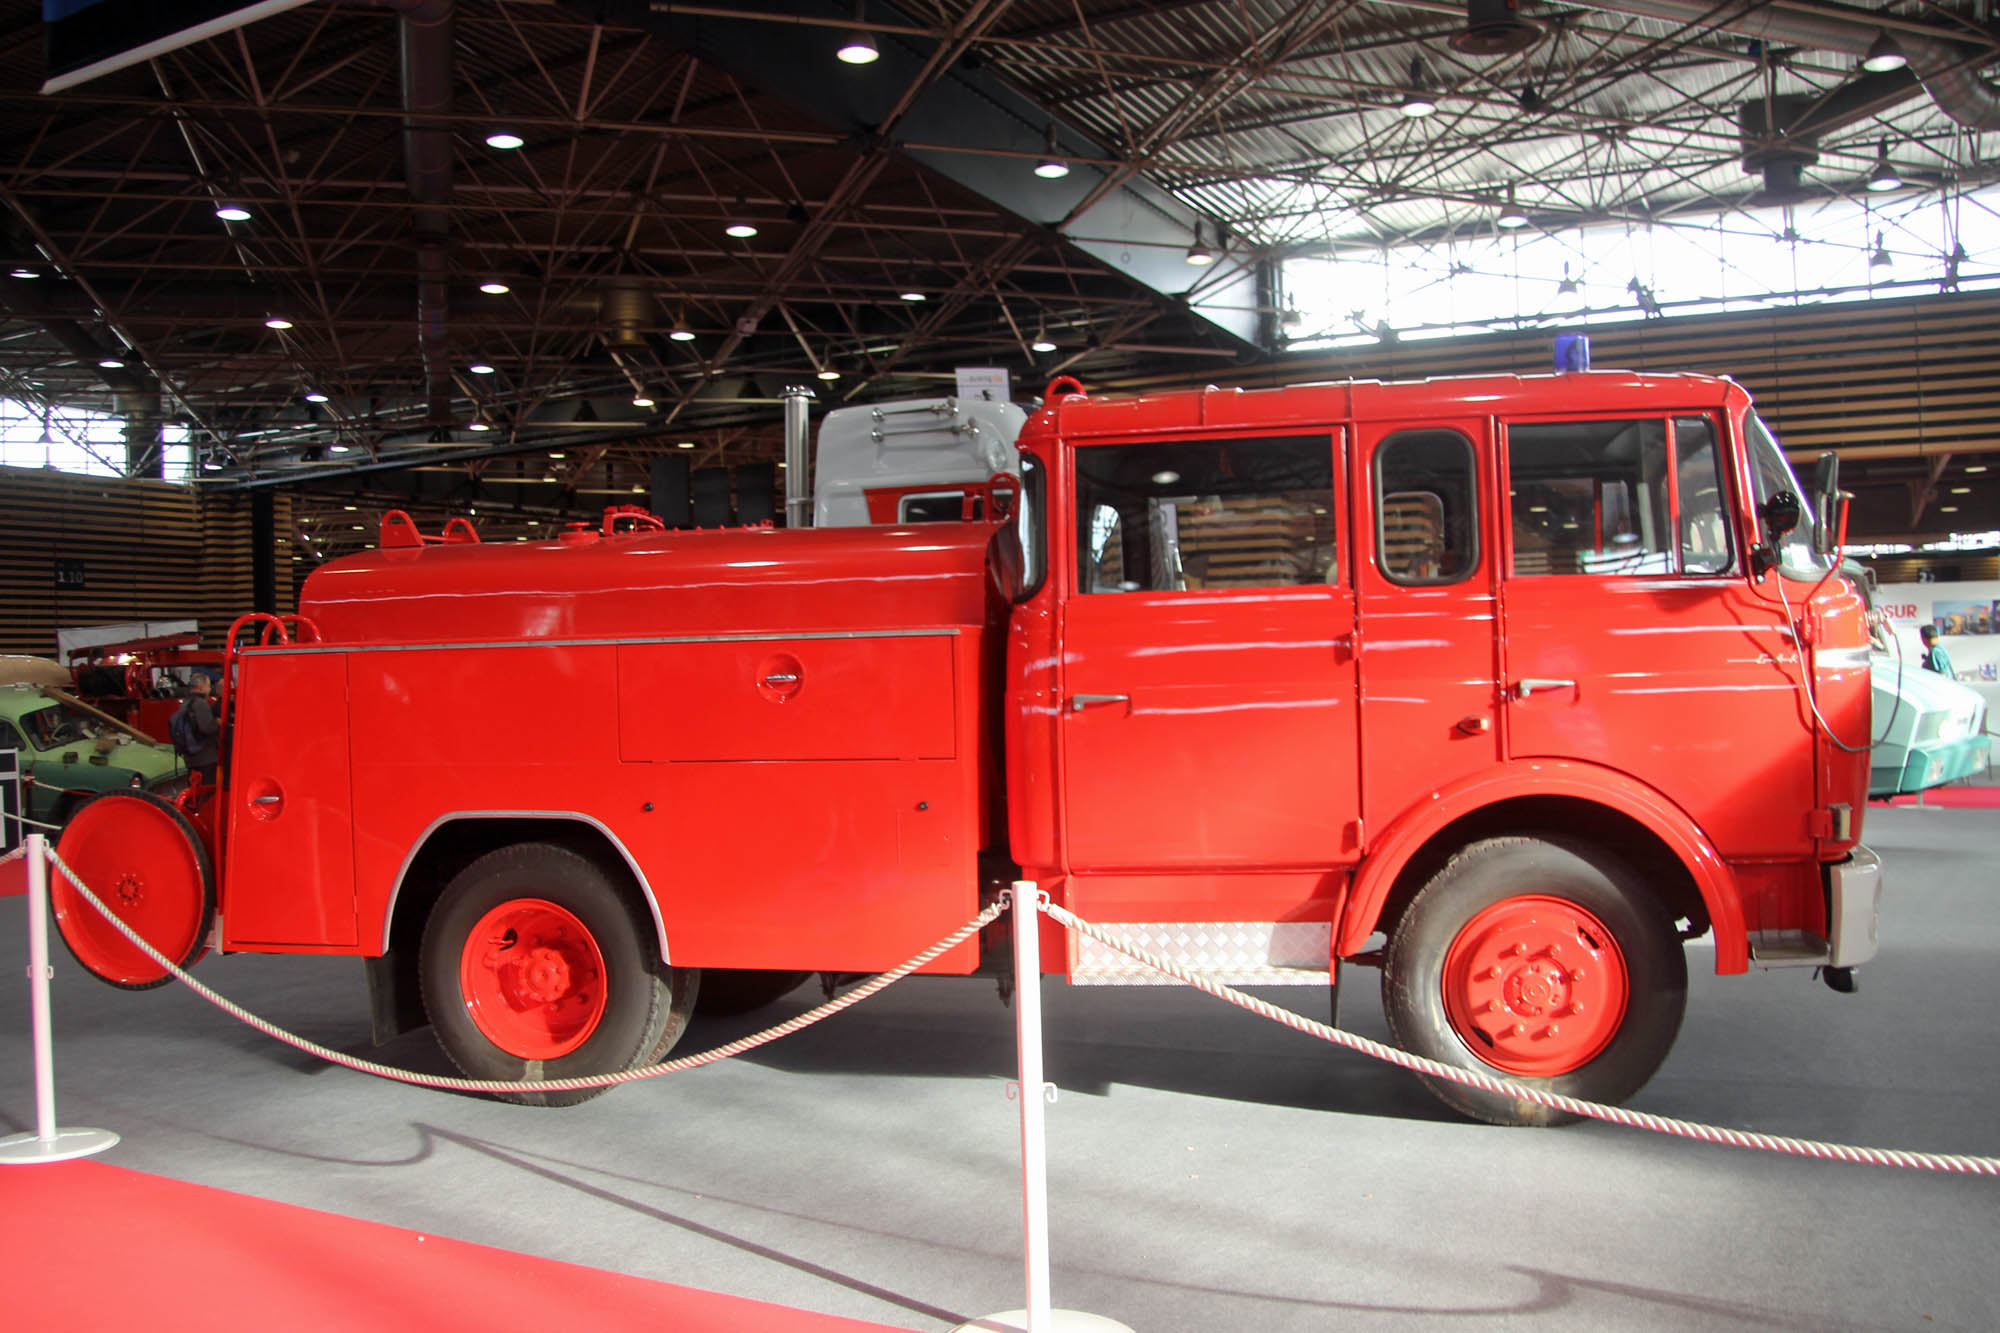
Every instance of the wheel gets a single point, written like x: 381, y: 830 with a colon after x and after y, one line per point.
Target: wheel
x: 727, y: 991
x: 145, y: 861
x: 535, y: 966
x: 1541, y: 961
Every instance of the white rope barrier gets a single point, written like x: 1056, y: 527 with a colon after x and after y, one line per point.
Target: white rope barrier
x: 360, y: 1066
x: 1617, y: 1115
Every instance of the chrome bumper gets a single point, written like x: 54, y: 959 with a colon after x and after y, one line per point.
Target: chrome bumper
x: 1853, y: 904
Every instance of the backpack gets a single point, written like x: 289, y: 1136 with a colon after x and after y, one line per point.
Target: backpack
x: 181, y: 729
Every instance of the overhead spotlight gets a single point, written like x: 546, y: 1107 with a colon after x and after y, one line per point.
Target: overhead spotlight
x: 277, y: 322
x: 1530, y: 99
x: 477, y: 425
x: 1880, y: 259
x: 1883, y: 55
x: 1291, y: 318
x: 232, y: 212
x: 505, y: 140
x: 914, y: 296
x: 494, y: 287
x: 1418, y: 103
x: 684, y: 444
x: 681, y: 333
x: 1884, y: 176
x: 23, y: 271
x: 111, y: 363
x: 742, y: 231
x: 1511, y: 216
x: 641, y: 400
x: 1198, y: 254
x: 1051, y: 167
x: 859, y: 48
x: 1494, y: 28
x: 829, y: 374
x: 480, y: 368
x: 1568, y: 286
x: 316, y: 397
x: 1041, y: 342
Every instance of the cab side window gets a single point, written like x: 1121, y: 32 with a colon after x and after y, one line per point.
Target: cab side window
x: 1184, y: 516
x: 1593, y: 497
x: 1426, y: 516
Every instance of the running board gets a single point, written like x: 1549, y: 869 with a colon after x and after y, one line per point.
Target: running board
x: 1230, y: 953
x: 1787, y: 948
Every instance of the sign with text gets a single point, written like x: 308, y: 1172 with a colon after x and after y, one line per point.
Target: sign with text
x: 984, y: 384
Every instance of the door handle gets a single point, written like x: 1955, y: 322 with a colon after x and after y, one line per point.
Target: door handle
x: 1524, y: 688
x: 1079, y: 702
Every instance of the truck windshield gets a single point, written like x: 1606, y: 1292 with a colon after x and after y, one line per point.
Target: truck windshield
x: 1771, y: 472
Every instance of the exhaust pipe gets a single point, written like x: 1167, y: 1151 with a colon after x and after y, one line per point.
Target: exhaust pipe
x: 798, y: 493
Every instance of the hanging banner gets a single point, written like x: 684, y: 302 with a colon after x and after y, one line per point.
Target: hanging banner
x: 85, y: 38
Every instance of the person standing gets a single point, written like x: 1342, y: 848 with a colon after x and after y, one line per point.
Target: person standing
x: 1935, y: 657
x: 197, y: 737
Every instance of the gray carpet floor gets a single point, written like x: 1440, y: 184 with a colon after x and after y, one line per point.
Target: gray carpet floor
x: 1208, y: 1170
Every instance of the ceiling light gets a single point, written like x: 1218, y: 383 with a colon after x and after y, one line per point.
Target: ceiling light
x: 1511, y: 215
x: 1880, y: 259
x: 1166, y: 478
x: 859, y: 49
x: 742, y: 231
x: 494, y: 287
x: 1417, y: 103
x: 1961, y: 490
x: 829, y: 374
x: 1198, y: 254
x: 1052, y: 167
x: 685, y: 444
x: 1568, y: 286
x: 480, y: 368
x: 315, y: 397
x: 504, y: 139
x: 339, y: 448
x: 477, y: 425
x: 641, y: 400
x: 1884, y: 55
x: 24, y: 272
x: 681, y: 333
x: 557, y: 453
x: 1041, y: 344
x: 350, y: 508
x: 914, y: 296
x: 111, y: 363
x: 1975, y: 467
x: 232, y: 212
x: 1947, y: 509
x: 277, y: 322
x: 1884, y: 176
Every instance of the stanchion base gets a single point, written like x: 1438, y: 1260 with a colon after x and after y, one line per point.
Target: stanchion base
x: 1060, y: 1321
x: 27, y: 1149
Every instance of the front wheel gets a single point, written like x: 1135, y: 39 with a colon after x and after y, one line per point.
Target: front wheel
x: 1541, y: 961
x: 536, y: 966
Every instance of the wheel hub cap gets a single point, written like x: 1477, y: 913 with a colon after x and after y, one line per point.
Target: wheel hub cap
x: 1535, y: 986
x: 533, y: 979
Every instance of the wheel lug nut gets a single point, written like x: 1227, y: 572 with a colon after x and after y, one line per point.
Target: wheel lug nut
x: 1518, y: 1030
x: 1550, y: 1031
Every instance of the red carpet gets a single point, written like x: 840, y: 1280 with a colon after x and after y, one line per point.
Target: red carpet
x: 13, y: 878
x: 92, y: 1246
x: 1954, y: 798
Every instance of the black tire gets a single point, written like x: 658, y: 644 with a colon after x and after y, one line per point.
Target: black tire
x: 645, y: 1004
x: 1536, y: 885
x: 729, y: 991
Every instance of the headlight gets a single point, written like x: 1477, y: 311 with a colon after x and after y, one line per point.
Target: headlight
x: 1930, y: 728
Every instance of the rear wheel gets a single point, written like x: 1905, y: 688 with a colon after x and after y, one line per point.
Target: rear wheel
x: 727, y: 991
x: 143, y: 860
x: 1545, y: 962
x: 536, y: 966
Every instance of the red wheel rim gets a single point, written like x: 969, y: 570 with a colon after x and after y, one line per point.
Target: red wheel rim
x: 143, y: 862
x: 532, y: 978
x: 1535, y: 986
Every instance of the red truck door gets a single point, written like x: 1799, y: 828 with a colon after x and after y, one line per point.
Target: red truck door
x: 1207, y: 674
x: 1427, y: 612
x: 1632, y: 638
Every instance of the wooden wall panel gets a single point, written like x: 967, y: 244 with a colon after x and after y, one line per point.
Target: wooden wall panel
x: 145, y: 550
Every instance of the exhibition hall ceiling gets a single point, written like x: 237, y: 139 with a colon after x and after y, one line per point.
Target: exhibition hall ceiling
x: 311, y: 243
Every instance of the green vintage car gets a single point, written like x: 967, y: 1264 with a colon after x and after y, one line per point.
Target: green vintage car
x: 1928, y: 730
x: 69, y: 755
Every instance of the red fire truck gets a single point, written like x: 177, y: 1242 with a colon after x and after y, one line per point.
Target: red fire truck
x: 1510, y: 686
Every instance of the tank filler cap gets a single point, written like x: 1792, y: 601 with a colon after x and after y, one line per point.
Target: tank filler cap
x: 577, y: 534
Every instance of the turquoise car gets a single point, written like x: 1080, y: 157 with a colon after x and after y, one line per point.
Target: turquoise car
x: 1929, y: 730
x: 69, y: 755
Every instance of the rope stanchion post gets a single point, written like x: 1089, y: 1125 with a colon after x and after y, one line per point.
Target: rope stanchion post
x: 47, y: 1143
x: 1033, y: 1092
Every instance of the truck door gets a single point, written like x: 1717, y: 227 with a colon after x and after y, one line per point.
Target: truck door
x: 1207, y: 672
x: 1632, y: 637
x: 1426, y: 611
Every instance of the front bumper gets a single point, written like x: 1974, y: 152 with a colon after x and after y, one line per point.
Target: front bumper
x: 1853, y: 907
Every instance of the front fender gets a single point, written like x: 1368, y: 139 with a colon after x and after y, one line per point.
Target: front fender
x: 1413, y: 830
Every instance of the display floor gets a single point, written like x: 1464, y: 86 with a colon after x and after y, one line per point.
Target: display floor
x: 1208, y: 1170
